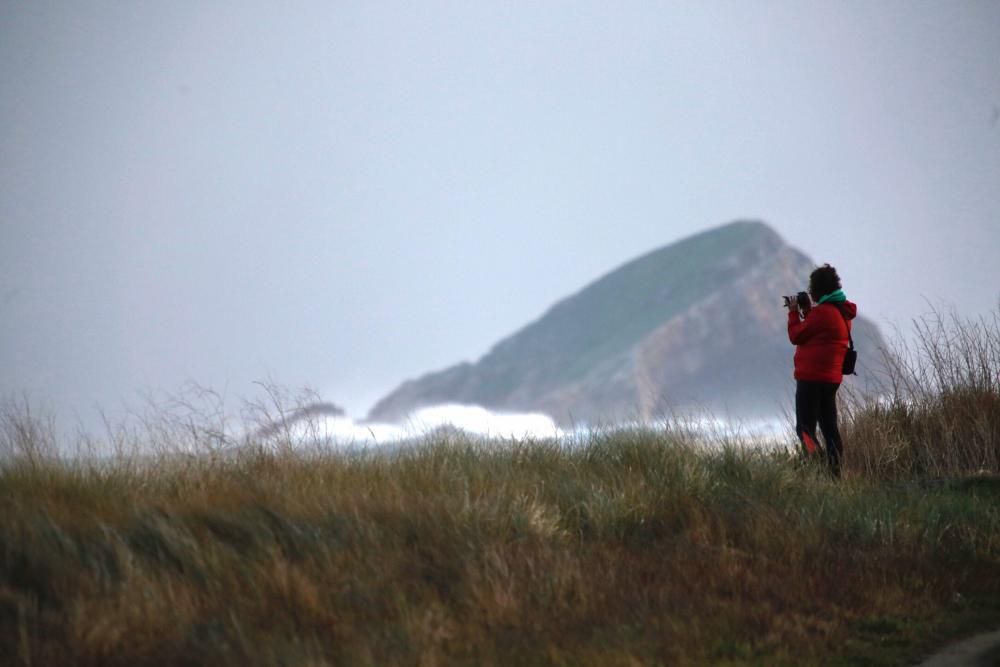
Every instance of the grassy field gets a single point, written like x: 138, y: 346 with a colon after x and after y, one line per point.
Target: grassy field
x: 634, y: 547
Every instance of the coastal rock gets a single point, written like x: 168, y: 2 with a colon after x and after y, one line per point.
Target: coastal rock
x: 695, y: 324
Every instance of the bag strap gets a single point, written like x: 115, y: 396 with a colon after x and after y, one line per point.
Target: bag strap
x: 850, y: 338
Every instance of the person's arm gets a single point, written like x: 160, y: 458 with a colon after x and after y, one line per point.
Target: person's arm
x: 800, y: 328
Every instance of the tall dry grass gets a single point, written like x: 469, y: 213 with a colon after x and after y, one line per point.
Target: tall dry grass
x: 636, y: 547
x: 937, y: 410
x: 180, y: 540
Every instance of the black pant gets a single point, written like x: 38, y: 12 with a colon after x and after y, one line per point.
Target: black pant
x: 817, y: 401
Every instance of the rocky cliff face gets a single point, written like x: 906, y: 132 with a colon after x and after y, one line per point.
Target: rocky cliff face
x: 698, y: 323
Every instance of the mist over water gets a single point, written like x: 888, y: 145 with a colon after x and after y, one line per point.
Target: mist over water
x: 200, y: 421
x: 473, y: 423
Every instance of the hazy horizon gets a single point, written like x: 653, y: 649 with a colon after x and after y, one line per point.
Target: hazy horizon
x: 349, y: 195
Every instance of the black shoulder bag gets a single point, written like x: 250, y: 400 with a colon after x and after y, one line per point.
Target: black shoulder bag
x: 851, y: 358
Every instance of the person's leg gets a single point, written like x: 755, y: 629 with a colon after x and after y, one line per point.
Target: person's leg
x: 806, y: 414
x: 828, y: 424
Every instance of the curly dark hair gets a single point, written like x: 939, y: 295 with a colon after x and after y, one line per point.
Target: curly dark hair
x: 822, y: 281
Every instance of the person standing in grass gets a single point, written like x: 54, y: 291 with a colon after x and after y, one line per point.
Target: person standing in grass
x: 820, y: 335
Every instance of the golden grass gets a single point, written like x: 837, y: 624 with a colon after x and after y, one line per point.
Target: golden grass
x: 632, y: 549
x: 937, y: 412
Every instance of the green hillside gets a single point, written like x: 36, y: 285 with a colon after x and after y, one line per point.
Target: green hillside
x: 614, y: 312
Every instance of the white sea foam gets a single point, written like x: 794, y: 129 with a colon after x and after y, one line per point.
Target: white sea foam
x: 485, y: 424
x: 471, y: 419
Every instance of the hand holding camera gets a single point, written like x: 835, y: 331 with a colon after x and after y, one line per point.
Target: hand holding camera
x: 800, y: 302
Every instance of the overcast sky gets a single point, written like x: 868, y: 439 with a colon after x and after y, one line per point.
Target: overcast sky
x: 346, y: 195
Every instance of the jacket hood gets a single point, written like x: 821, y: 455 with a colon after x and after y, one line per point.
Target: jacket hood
x: 849, y: 309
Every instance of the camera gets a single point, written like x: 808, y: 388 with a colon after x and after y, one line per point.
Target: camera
x: 801, y: 299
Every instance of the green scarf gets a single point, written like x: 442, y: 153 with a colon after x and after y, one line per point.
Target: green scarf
x: 833, y: 297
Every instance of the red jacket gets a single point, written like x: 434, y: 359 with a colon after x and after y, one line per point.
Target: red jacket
x: 821, y: 341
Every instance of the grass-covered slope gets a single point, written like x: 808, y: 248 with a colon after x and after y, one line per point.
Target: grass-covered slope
x: 619, y: 309
x: 634, y: 549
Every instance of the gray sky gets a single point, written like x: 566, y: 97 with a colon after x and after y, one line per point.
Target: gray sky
x: 349, y: 194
